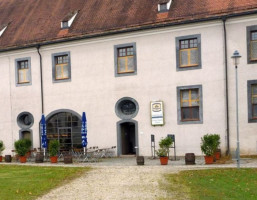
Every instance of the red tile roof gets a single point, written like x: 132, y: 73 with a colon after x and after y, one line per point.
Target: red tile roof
x: 37, y: 21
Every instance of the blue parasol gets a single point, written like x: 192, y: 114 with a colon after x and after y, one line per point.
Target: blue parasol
x: 84, y: 131
x: 43, y: 133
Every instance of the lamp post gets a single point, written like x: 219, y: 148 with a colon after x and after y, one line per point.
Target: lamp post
x: 236, y: 56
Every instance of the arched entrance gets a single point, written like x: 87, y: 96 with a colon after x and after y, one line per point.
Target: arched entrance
x: 127, y: 131
x: 65, y: 126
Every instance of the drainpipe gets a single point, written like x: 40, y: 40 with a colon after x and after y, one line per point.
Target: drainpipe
x: 226, y: 80
x: 41, y: 80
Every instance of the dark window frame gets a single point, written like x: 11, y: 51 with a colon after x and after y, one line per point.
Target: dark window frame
x: 55, y: 63
x: 179, y: 106
x: 178, y: 49
x: 251, y: 119
x: 116, y: 56
x: 249, y: 31
x: 18, y: 61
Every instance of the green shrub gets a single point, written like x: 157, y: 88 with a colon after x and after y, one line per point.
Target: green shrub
x: 54, y: 147
x: 1, y: 147
x: 209, y: 144
x: 164, y: 144
x: 22, y: 146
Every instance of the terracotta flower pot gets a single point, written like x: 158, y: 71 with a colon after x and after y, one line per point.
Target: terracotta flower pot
x: 23, y: 159
x: 1, y: 158
x: 53, y: 159
x: 208, y: 159
x: 217, y: 155
x: 164, y: 160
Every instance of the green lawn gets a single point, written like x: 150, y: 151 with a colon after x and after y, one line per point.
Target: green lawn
x: 29, y: 182
x: 213, y: 184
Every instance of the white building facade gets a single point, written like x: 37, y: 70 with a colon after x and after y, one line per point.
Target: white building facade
x: 114, y: 79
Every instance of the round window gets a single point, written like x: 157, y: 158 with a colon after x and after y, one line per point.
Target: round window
x: 126, y: 108
x: 25, y: 120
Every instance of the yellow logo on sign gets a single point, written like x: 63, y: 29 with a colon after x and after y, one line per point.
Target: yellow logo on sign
x: 156, y: 107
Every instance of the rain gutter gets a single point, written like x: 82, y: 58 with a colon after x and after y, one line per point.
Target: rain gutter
x: 41, y: 80
x: 226, y: 83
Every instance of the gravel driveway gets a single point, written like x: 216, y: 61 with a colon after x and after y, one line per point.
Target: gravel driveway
x: 115, y: 182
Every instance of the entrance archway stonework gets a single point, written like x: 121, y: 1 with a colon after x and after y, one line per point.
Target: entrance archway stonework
x: 126, y: 108
x: 65, y: 126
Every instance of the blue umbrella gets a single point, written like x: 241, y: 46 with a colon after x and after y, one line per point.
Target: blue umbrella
x: 43, y: 133
x: 84, y: 131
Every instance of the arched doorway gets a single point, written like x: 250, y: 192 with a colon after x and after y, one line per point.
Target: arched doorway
x: 64, y: 126
x: 127, y: 136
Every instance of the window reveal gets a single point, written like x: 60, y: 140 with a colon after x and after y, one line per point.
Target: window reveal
x: 23, y: 71
x: 253, y: 45
x: 254, y: 101
x: 62, y: 67
x: 126, y: 60
x: 189, y: 105
x: 188, y: 52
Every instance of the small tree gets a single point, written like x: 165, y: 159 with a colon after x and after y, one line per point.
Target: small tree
x: 2, y: 147
x: 22, y: 146
x: 164, y: 144
x: 208, y: 144
x: 54, y: 147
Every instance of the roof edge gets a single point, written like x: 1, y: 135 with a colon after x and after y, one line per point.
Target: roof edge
x: 132, y: 29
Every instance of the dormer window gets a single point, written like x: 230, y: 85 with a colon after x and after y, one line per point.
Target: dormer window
x: 68, y: 20
x: 2, y: 30
x: 164, y: 5
x: 65, y: 24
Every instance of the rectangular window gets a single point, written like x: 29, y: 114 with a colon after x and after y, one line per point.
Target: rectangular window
x: 61, y: 67
x: 252, y: 100
x: 188, y: 50
x: 251, y: 33
x: 253, y: 45
x: 125, y: 59
x: 23, y: 71
x: 189, y: 104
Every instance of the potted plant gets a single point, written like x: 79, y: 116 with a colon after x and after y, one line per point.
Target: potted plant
x: 208, y: 147
x: 22, y: 147
x: 217, y: 152
x: 53, y: 150
x: 163, y: 152
x: 1, y: 150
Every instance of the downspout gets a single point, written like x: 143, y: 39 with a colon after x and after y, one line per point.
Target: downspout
x: 226, y: 80
x: 41, y: 80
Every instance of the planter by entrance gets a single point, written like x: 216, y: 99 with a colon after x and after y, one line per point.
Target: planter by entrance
x: 67, y: 159
x: 164, y: 160
x: 23, y: 159
x: 140, y: 160
x: 217, y: 154
x: 8, y: 158
x: 53, y: 159
x: 39, y: 158
x: 190, y: 158
x: 208, y: 159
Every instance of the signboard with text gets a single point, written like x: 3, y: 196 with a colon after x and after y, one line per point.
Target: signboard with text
x: 157, y: 116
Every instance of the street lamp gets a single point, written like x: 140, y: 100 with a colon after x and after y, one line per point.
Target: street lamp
x: 236, y: 56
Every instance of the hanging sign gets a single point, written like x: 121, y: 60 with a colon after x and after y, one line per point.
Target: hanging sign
x: 157, y: 113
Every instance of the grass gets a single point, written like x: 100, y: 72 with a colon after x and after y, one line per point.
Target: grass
x: 29, y: 182
x: 214, y: 184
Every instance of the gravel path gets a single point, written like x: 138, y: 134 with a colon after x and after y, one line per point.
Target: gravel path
x: 116, y: 182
